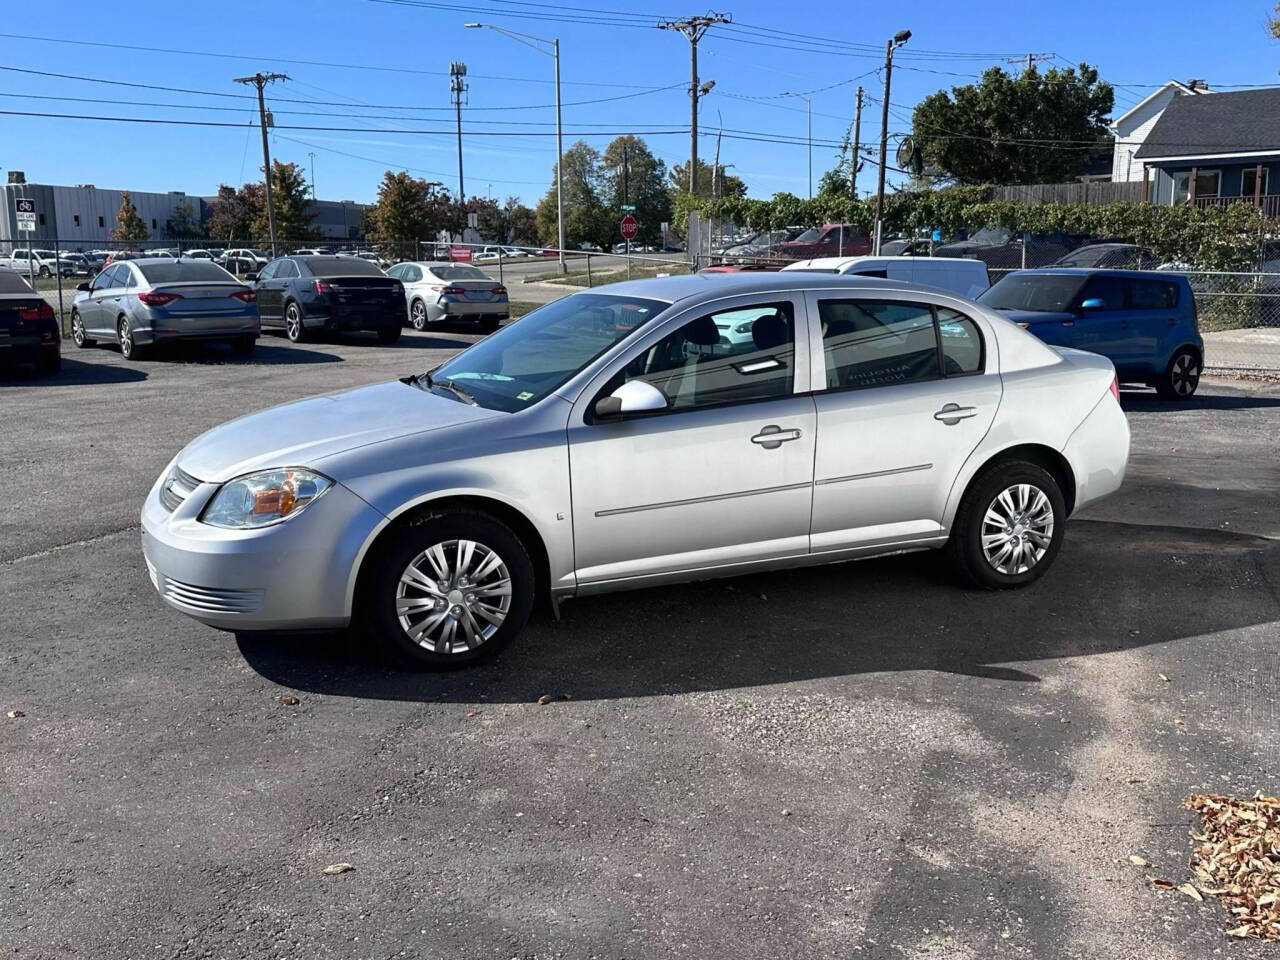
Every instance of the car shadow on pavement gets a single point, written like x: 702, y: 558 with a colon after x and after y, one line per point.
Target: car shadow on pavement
x: 1137, y: 402
x: 74, y: 373
x: 1115, y: 586
x: 264, y: 354
x: 429, y: 341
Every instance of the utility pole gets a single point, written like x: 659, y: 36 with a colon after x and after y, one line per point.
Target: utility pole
x: 457, y: 89
x: 312, y: 155
x: 693, y: 28
x: 857, y: 144
x: 901, y: 37
x: 260, y: 80
x: 626, y: 174
x: 1031, y: 59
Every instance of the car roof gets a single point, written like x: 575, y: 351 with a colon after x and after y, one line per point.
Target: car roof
x: 718, y: 285
x: 836, y: 263
x: 1099, y: 271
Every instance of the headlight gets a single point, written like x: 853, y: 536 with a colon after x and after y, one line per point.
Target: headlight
x: 261, y: 499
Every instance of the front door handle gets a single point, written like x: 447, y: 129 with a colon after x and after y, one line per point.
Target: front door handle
x: 953, y: 413
x: 773, y: 436
x: 1068, y: 323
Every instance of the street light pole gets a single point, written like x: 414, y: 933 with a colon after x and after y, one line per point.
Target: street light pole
x: 901, y: 37
x: 531, y: 41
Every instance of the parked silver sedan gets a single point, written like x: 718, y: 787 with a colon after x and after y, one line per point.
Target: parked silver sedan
x: 617, y: 438
x: 140, y: 303
x: 435, y: 291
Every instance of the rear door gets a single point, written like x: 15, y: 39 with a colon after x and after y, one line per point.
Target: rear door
x: 1153, y: 308
x: 905, y: 390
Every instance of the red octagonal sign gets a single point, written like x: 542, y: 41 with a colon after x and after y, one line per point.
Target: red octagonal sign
x: 629, y: 227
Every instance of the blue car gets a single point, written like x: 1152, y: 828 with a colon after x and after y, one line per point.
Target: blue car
x: 1143, y: 322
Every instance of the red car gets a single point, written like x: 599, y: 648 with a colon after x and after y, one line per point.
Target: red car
x: 828, y: 240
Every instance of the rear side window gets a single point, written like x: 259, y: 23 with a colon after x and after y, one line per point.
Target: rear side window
x: 1152, y: 294
x: 184, y: 271
x: 961, y: 343
x: 874, y: 343
x: 11, y: 282
x: 882, y: 274
x: 1110, y: 290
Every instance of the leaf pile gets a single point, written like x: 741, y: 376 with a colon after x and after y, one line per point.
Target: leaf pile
x: 1237, y: 859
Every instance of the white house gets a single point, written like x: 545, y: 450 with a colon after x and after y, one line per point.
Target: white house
x: 1132, y: 128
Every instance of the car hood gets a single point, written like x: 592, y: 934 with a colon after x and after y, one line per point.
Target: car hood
x: 305, y: 431
x: 1034, y: 316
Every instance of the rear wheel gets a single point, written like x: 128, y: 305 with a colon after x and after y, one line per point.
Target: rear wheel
x: 43, y: 272
x: 129, y: 349
x: 448, y: 590
x: 418, y: 315
x: 77, y: 331
x: 293, y: 327
x: 388, y: 334
x: 243, y: 346
x: 1181, y: 377
x: 1009, y: 527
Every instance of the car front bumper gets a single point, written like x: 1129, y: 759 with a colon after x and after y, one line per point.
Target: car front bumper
x: 297, y: 574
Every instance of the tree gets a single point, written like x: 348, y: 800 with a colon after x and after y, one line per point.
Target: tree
x: 408, y: 209
x: 1273, y: 23
x: 522, y: 223
x: 233, y: 213
x: 129, y: 230
x: 183, y: 223
x: 725, y: 185
x: 291, y: 199
x: 1032, y: 128
x: 586, y: 218
x: 632, y: 175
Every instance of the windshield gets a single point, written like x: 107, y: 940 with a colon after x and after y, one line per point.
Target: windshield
x: 182, y: 271
x: 342, y: 267
x: 1043, y: 293
x: 809, y: 236
x: 459, y: 273
x: 992, y: 235
x: 523, y: 362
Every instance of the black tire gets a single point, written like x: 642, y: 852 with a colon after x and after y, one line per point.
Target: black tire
x: 43, y: 272
x: 293, y: 326
x: 77, y: 331
x: 1181, y: 377
x: 418, y: 315
x: 128, y: 348
x: 966, y: 543
x: 49, y: 363
x: 379, y: 594
x: 388, y: 334
x: 243, y: 346
x: 489, y: 324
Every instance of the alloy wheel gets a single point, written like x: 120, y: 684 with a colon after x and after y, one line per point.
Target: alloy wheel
x: 77, y: 330
x: 293, y: 323
x: 453, y: 596
x: 1184, y: 374
x: 126, y: 339
x: 1017, y: 529
x: 418, y: 315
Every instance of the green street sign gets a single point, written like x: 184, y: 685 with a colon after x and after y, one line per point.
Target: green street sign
x: 628, y: 208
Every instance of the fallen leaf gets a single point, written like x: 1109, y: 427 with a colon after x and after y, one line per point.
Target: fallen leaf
x: 289, y: 700
x: 16, y: 714
x: 1137, y: 861
x: 1163, y: 677
x: 473, y: 713
x: 1133, y: 779
x: 1241, y: 931
x: 335, y: 868
x: 1190, y: 891
x: 545, y: 699
x: 1161, y: 884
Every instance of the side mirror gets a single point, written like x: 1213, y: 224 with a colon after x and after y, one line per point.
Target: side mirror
x: 1093, y: 303
x: 83, y: 287
x: 634, y: 396
x: 251, y: 277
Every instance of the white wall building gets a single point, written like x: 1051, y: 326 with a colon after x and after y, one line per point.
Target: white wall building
x: 1132, y: 128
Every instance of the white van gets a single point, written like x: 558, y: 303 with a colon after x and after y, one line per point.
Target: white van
x: 968, y: 278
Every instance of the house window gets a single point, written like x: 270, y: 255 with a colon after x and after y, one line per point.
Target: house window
x: 100, y: 223
x: 76, y: 218
x: 42, y: 219
x: 1181, y: 188
x: 1249, y: 182
x: 1208, y: 183
x: 153, y: 223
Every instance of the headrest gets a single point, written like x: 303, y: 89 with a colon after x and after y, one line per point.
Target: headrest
x: 769, y: 331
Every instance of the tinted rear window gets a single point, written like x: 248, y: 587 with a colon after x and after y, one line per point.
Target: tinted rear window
x: 459, y: 273
x: 11, y: 282
x: 342, y: 267
x: 184, y: 271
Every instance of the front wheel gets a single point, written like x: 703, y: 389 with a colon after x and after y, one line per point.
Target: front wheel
x: 293, y: 326
x: 1181, y: 377
x: 418, y: 315
x: 1009, y: 527
x: 43, y: 272
x: 448, y: 590
x: 388, y: 334
x: 77, y: 331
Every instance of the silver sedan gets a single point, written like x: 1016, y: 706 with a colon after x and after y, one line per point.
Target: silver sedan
x: 436, y: 291
x: 619, y: 438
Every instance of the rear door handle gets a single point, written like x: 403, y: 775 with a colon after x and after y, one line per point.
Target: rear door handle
x: 953, y: 413
x: 773, y: 436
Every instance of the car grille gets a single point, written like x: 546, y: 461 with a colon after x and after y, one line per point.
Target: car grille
x: 176, y: 488
x: 208, y: 599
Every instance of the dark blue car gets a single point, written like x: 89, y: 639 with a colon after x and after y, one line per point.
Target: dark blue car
x: 1143, y: 322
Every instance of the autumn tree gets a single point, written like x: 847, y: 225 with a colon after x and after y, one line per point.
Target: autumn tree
x: 408, y: 209
x: 291, y: 200
x: 233, y: 213
x: 717, y: 182
x: 586, y: 217
x: 633, y: 176
x: 1030, y: 128
x: 130, y: 229
x: 183, y: 224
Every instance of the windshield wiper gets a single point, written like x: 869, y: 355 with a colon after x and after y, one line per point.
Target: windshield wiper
x: 460, y: 392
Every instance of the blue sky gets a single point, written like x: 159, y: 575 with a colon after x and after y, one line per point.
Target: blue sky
x: 392, y: 55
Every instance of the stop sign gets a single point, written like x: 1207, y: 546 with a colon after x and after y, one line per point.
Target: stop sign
x: 629, y: 227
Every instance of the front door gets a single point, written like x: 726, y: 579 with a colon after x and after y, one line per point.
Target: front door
x: 1106, y: 326
x: 903, y: 397
x: 723, y: 475
x: 101, y: 308
x: 269, y: 291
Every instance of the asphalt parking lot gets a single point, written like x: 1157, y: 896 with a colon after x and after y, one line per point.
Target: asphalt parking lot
x: 860, y: 760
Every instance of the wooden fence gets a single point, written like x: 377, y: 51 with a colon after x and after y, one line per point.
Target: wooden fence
x: 1097, y: 194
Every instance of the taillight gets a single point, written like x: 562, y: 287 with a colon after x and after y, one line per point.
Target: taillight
x: 1115, y: 388
x: 454, y: 291
x: 153, y: 299
x: 499, y: 291
x: 42, y: 312
x: 322, y: 287
x: 436, y: 289
x: 245, y: 296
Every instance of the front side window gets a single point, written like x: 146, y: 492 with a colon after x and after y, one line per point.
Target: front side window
x: 874, y: 343
x: 522, y: 363
x: 269, y: 271
x: 729, y: 357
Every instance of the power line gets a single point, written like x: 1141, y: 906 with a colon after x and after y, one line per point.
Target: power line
x: 395, y: 165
